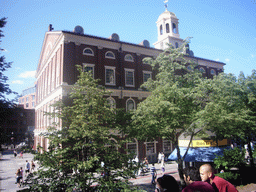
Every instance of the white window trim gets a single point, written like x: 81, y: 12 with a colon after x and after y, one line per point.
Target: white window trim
x: 89, y: 54
x: 163, y: 145
x: 108, y: 56
x: 146, y: 143
x: 136, y: 143
x: 213, y: 73
x: 147, y: 72
x: 114, y: 102
x: 126, y: 58
x: 89, y: 65
x: 129, y: 70
x: 203, y: 70
x: 133, y: 102
x: 113, y: 68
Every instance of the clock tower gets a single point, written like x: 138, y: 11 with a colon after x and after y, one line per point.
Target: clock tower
x: 168, y: 30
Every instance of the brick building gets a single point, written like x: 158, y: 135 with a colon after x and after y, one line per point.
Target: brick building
x: 116, y: 63
x: 28, y: 98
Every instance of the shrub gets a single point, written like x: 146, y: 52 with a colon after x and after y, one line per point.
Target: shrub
x: 230, y: 158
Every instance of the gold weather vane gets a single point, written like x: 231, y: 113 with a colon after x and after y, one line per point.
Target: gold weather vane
x: 166, y: 5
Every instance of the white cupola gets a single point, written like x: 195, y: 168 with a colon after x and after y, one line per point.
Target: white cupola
x: 168, y: 30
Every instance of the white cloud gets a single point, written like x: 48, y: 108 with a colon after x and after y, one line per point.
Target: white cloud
x: 227, y: 60
x: 17, y: 82
x: 28, y: 74
x: 253, y: 55
x: 217, y: 59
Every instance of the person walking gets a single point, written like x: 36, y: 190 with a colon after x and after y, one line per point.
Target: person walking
x: 153, y: 173
x: 27, y: 168
x: 32, y: 166
x: 18, y: 177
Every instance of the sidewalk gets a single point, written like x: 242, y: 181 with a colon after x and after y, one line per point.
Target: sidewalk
x: 9, y: 166
x: 144, y: 182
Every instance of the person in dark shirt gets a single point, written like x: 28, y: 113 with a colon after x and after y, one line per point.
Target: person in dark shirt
x: 167, y: 183
x: 193, y: 181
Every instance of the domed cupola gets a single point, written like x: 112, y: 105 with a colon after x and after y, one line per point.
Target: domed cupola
x: 168, y: 30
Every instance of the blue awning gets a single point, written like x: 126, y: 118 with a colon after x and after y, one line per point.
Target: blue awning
x: 198, y: 154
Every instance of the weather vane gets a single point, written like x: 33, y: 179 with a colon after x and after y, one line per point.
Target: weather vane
x: 166, y: 5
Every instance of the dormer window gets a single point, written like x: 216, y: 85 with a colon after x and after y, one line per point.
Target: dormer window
x: 174, y: 29
x: 129, y: 57
x: 88, y: 51
x: 167, y: 28
x: 161, y: 30
x: 110, y: 55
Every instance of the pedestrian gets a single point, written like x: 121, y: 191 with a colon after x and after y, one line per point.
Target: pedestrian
x: 219, y: 184
x: 15, y: 153
x: 21, y: 154
x: 18, y: 177
x: 21, y: 171
x: 193, y: 181
x: 167, y: 183
x: 32, y: 166
x: 27, y: 168
x: 162, y: 167
x: 145, y: 162
x: 159, y: 157
x: 153, y: 173
x: 162, y: 157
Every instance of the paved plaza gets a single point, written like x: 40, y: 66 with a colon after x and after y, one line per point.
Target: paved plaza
x: 9, y: 166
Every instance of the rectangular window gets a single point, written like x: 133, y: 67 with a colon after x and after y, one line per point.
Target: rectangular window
x: 110, y: 75
x: 89, y: 68
x: 129, y: 77
x: 27, y: 99
x: 33, y: 97
x: 33, y: 104
x: 26, y: 105
x: 132, y: 147
x: 167, y: 146
x: 150, y: 148
x: 146, y: 75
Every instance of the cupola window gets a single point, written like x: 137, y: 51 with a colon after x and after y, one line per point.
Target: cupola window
x: 167, y: 28
x: 174, y: 29
x: 176, y: 45
x: 161, y: 30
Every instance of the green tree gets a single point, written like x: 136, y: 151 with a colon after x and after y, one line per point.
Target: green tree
x: 83, y: 145
x: 5, y: 103
x: 175, y: 101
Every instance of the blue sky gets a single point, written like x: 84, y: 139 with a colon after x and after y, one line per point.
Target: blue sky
x: 222, y: 30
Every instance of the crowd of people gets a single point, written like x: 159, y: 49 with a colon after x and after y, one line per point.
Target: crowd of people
x: 29, y: 168
x: 197, y: 180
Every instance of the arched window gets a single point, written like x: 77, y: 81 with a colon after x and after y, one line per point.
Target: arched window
x: 129, y: 57
x: 88, y: 51
x: 213, y: 72
x: 167, y: 145
x: 167, y: 28
x: 176, y: 45
x: 174, y: 29
x: 189, y: 68
x: 110, y: 55
x: 112, y: 144
x: 161, y: 30
x: 202, y: 70
x: 130, y: 104
x: 111, y: 102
